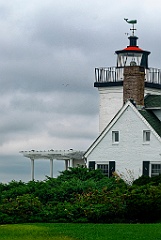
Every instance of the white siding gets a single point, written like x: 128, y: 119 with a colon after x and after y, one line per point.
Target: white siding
x: 130, y: 153
x: 111, y: 100
x: 78, y: 162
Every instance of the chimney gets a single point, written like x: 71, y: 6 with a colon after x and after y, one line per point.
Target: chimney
x: 133, y: 84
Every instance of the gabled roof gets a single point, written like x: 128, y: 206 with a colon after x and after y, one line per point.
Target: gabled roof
x: 152, y: 101
x: 148, y: 117
x: 152, y: 120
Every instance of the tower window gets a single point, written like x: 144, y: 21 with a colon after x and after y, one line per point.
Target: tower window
x: 115, y: 136
x: 146, y: 136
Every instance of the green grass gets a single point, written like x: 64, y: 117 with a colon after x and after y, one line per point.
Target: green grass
x: 80, y: 231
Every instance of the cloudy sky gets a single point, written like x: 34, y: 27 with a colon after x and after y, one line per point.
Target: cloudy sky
x: 48, y: 52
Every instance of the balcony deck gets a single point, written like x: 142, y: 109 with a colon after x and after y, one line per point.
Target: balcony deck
x: 112, y: 76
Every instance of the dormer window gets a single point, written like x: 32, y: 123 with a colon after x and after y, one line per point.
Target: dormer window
x: 146, y: 136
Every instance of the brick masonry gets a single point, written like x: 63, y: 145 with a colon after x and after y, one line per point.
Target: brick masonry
x: 133, y: 85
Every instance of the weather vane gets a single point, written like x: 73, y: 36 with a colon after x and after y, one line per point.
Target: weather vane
x: 131, y: 22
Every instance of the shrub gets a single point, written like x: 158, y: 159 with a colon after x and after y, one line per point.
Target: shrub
x: 144, y: 204
x: 81, y: 195
x: 22, y: 209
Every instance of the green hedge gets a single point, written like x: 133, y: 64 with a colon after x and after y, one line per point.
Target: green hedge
x: 81, y: 195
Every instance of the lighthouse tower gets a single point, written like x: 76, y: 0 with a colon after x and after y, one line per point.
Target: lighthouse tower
x: 131, y: 79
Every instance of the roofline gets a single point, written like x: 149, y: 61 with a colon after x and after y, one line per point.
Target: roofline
x: 137, y: 50
x: 120, y: 84
x: 153, y: 108
x: 113, y: 121
x: 53, y: 154
x: 107, y: 128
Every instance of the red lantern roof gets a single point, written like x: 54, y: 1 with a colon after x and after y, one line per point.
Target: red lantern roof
x: 133, y: 48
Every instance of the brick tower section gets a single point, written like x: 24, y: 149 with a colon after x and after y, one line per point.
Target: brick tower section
x: 133, y: 84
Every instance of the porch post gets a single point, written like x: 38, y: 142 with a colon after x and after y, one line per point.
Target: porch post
x: 51, y: 168
x: 71, y: 162
x: 66, y: 164
x: 32, y: 169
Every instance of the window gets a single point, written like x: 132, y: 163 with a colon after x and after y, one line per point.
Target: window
x: 146, y: 136
x: 151, y: 169
x: 115, y: 136
x: 104, y: 168
x: 107, y: 167
x: 155, y: 170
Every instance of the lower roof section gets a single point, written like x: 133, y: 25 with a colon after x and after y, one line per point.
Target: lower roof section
x: 54, y: 154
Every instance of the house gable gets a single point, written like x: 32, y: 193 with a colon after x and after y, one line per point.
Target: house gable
x: 149, y: 120
x: 130, y: 151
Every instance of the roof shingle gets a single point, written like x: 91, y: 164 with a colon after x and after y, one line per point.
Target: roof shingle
x: 152, y: 101
x: 152, y: 120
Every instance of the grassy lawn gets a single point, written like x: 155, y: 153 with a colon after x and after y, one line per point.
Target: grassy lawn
x: 80, y: 231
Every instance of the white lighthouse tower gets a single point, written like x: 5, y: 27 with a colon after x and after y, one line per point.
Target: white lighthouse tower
x: 109, y: 80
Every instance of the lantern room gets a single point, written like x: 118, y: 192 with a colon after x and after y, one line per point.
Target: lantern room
x: 132, y: 55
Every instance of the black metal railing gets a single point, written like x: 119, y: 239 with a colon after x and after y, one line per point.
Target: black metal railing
x: 114, y: 74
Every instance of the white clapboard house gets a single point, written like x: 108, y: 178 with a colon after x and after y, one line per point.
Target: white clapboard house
x: 129, y: 116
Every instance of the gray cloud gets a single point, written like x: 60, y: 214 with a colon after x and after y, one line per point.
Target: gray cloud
x: 48, y: 52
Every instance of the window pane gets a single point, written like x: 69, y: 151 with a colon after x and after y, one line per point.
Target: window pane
x: 146, y: 136
x: 155, y: 169
x: 104, y: 168
x: 115, y: 136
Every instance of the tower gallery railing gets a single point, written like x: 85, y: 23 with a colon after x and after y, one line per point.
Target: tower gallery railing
x: 113, y: 74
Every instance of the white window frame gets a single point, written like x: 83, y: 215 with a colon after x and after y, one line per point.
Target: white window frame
x: 155, y: 163
x: 146, y: 136
x: 103, y: 163
x: 114, y: 140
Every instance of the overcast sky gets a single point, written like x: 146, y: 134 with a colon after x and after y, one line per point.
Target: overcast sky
x: 48, y: 52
